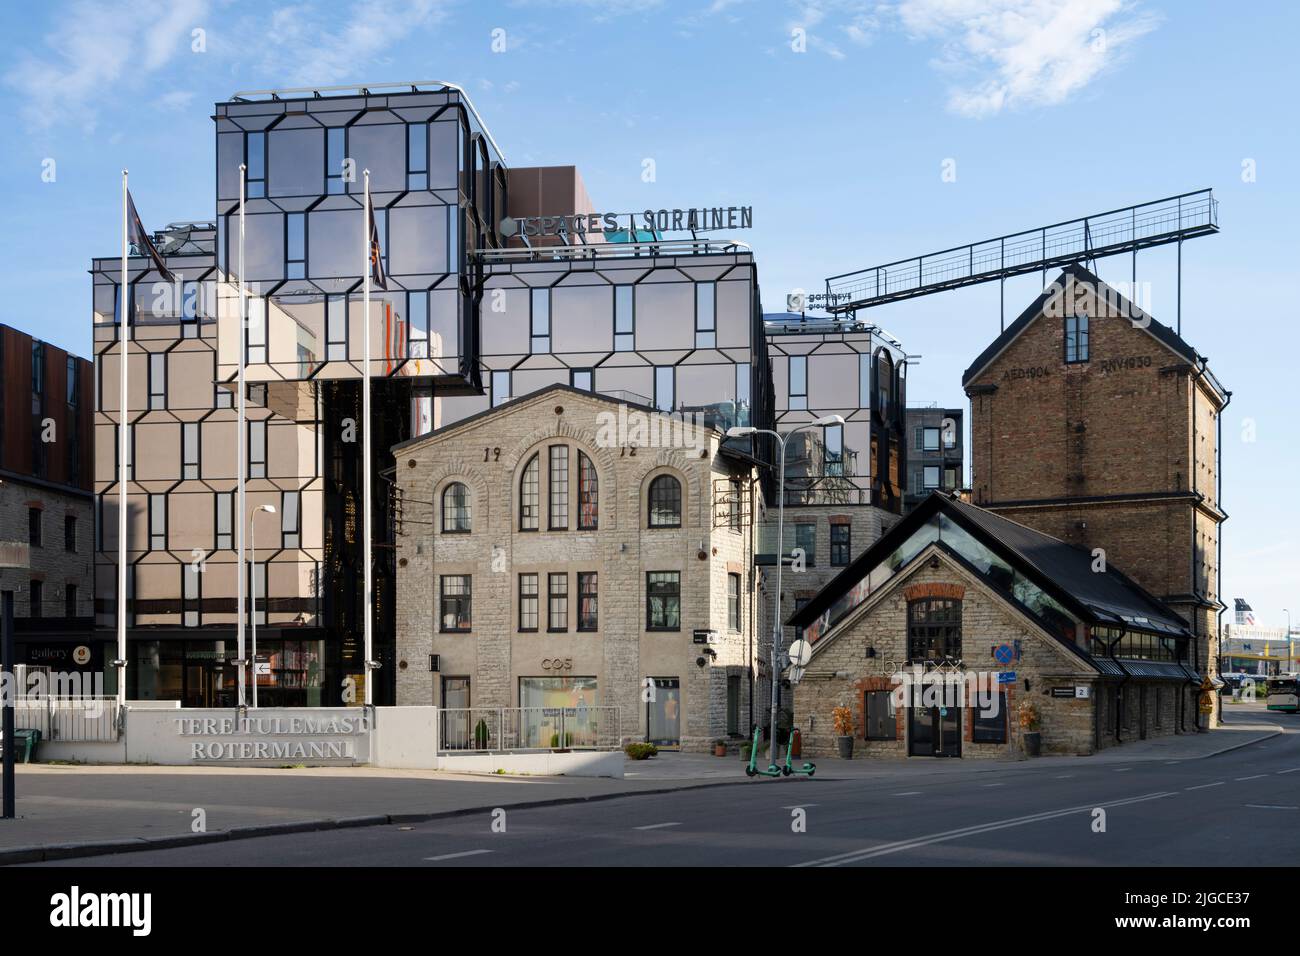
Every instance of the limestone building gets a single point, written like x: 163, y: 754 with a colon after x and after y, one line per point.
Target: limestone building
x: 566, y: 550
x: 1011, y: 616
x: 1098, y: 425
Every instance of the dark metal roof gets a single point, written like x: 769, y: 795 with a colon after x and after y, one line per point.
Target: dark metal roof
x: 1162, y: 333
x: 1105, y: 599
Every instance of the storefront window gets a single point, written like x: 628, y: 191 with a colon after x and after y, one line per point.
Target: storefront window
x: 558, y: 705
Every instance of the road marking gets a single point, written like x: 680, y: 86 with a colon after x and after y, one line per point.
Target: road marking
x: 801, y: 806
x: 1292, y: 770
x: 1202, y: 786
x: 455, y: 856
x: 1255, y: 776
x: 656, y: 826
x: 1269, y: 806
x: 1123, y: 769
x: 992, y: 784
x: 907, y: 793
x: 855, y: 856
x: 1064, y: 776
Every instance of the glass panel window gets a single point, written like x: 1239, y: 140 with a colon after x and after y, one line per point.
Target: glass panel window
x: 665, y: 500
x: 833, y: 450
x: 158, y: 522
x: 417, y: 324
x: 191, y: 592
x: 34, y: 527
x: 500, y: 388
x: 733, y: 602
x: 798, y: 382
x: 581, y: 378
x: 557, y: 602
x: 1076, y: 338
x: 255, y: 157
x: 257, y: 449
x: 528, y: 602
x: 225, y: 509
x: 454, y: 611
x: 930, y: 477
x: 559, y: 489
x: 841, y: 538
x: 190, y: 450
x: 290, y: 530
x: 417, y: 156
x: 934, y: 629
x: 540, y: 338
x: 157, y: 380
x: 588, y: 494
x: 864, y: 380
x: 70, y: 601
x: 663, y: 601
x: 930, y: 439
x: 665, y: 399
x: 295, y: 245
x: 705, y: 319
x: 256, y: 338
x: 336, y: 328
x: 530, y: 495
x: 588, y: 610
x: 36, y: 599
x: 334, y: 159
x: 455, y: 509
x: 70, y: 533
x: 624, y: 318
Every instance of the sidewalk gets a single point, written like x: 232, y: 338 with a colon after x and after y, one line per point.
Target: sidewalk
x: 63, y: 808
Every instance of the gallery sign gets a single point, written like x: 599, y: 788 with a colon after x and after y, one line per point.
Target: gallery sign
x: 653, y: 220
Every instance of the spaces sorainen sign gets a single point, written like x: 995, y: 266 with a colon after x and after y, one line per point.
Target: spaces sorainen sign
x: 660, y: 220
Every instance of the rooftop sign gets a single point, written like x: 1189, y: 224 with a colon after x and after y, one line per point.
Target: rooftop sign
x: 654, y: 220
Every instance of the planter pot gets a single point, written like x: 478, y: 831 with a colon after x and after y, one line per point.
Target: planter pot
x: 844, y: 745
x: 1033, y: 743
x: 719, y: 750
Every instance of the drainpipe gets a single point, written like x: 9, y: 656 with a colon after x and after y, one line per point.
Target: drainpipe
x: 1121, y: 702
x: 1218, y: 501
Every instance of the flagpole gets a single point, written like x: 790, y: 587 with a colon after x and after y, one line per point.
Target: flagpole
x: 367, y: 509
x: 123, y: 448
x: 242, y: 438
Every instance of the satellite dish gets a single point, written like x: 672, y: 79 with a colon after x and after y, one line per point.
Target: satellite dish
x: 800, y: 653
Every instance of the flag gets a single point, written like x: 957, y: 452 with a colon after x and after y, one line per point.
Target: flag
x: 139, y: 238
x: 376, y: 255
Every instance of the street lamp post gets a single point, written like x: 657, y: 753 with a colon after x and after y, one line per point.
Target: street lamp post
x: 742, y: 431
x: 252, y: 547
x: 1288, y: 640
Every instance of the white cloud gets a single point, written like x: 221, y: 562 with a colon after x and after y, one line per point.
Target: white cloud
x: 1008, y: 54
x: 310, y: 44
x: 97, y: 50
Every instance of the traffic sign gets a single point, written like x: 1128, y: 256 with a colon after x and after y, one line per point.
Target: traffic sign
x: 1002, y: 654
x: 1006, y: 677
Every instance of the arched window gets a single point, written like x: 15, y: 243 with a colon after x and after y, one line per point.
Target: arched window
x: 884, y: 385
x: 665, y: 502
x: 455, y: 508
x: 529, y: 496
x: 588, y: 493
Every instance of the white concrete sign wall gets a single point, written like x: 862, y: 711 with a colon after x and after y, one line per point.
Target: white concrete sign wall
x: 282, y: 736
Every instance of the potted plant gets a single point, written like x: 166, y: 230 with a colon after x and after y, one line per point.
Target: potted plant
x: 719, y: 748
x: 1029, y: 724
x: 481, y: 735
x: 745, y: 750
x: 843, y: 720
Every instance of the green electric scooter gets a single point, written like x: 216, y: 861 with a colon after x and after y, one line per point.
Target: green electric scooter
x: 751, y: 769
x: 808, y: 769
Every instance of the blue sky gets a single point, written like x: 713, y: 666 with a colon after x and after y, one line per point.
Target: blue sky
x: 832, y: 119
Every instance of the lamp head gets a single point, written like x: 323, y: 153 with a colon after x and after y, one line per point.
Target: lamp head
x: 830, y: 420
x: 741, y: 431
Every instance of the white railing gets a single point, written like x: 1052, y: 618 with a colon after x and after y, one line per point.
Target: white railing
x: 500, y: 729
x: 76, y: 719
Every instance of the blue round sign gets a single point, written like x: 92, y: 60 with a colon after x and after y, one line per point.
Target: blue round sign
x: 1003, y: 654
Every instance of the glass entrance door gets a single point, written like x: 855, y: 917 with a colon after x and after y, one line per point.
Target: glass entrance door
x: 664, y: 713
x: 455, y: 713
x: 934, y: 731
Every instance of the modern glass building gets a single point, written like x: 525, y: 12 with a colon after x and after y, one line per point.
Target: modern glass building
x: 471, y: 314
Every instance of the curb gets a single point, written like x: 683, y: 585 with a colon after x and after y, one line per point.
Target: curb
x: 69, y: 851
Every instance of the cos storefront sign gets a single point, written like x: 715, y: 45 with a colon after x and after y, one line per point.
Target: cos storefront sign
x: 325, y: 737
x: 557, y: 664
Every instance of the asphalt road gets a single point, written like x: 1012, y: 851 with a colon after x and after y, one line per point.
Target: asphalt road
x: 1242, y: 806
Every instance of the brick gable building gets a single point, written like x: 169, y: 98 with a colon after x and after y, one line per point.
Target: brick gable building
x: 1096, y: 424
